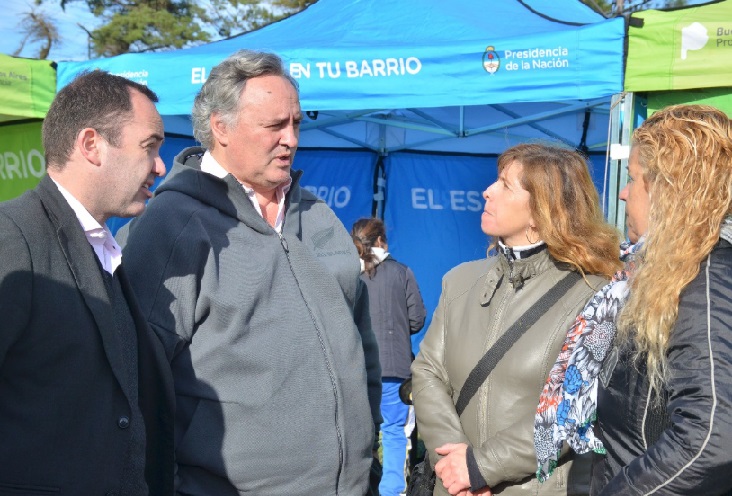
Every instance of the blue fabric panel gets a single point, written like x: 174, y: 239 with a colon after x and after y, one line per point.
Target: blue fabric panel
x: 432, y: 214
x: 343, y: 179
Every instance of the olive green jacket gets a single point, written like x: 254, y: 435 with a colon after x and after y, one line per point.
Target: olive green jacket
x: 479, y: 302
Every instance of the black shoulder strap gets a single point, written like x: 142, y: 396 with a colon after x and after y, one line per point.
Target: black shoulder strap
x: 486, y: 364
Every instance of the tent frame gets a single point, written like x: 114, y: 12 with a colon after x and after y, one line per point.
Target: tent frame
x: 418, y: 120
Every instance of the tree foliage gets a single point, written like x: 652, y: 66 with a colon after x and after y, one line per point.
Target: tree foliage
x: 145, y: 25
x: 38, y: 27
x: 611, y: 8
x: 156, y: 25
x: 232, y: 17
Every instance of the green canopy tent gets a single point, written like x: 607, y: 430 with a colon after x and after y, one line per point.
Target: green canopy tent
x: 27, y: 88
x: 681, y: 55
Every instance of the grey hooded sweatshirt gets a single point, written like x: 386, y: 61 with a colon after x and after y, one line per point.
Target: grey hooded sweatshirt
x: 276, y: 368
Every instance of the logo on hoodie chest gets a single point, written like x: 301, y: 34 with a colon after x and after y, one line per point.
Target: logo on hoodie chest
x: 322, y: 237
x: 323, y: 243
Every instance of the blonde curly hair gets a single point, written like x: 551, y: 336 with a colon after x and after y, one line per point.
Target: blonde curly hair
x: 685, y: 153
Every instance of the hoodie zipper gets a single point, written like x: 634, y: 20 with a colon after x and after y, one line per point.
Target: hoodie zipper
x: 328, y: 365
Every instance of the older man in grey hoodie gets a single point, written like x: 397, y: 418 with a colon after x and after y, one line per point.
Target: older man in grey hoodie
x: 252, y: 284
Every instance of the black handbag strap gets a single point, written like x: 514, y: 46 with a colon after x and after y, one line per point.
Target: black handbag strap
x: 486, y: 364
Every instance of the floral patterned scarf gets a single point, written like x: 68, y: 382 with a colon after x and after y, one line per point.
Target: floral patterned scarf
x: 568, y: 403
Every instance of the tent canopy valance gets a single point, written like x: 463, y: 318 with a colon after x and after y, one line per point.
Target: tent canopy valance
x: 384, y: 62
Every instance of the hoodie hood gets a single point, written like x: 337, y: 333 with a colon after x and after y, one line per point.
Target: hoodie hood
x: 225, y: 195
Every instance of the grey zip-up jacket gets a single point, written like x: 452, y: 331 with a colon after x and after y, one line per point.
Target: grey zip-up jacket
x: 480, y: 300
x: 275, y: 365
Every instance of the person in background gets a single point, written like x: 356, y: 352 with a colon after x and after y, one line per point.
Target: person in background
x: 252, y: 284
x: 664, y: 398
x: 87, y: 393
x: 545, y: 220
x: 397, y: 311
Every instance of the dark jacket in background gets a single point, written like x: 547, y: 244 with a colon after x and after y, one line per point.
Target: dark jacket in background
x: 65, y: 411
x: 397, y: 311
x: 683, y: 449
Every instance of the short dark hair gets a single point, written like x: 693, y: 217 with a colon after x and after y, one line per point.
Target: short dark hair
x: 94, y: 99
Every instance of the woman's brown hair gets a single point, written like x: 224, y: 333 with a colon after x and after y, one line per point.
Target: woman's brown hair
x: 365, y: 234
x: 565, y: 206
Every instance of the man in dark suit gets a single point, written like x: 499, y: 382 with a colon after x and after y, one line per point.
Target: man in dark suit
x: 86, y: 399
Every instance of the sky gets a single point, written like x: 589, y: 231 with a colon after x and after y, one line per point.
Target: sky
x: 74, y: 40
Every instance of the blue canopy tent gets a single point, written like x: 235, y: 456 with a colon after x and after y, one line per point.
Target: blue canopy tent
x: 408, y: 104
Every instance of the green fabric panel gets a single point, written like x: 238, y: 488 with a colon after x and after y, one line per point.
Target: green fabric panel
x: 22, y: 163
x: 716, y: 97
x: 680, y: 49
x: 27, y: 88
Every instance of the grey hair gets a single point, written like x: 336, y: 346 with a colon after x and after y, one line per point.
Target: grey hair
x: 221, y: 92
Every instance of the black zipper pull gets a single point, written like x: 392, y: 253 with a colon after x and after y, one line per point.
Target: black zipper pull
x: 510, y: 257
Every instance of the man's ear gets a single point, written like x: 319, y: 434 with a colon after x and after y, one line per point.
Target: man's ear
x: 219, y: 129
x: 90, y: 144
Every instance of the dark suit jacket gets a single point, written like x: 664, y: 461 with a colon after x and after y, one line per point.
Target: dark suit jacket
x: 64, y: 408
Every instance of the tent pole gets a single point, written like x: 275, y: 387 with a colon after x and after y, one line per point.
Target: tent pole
x: 608, y: 198
x: 462, y: 121
x: 377, y: 205
x: 623, y: 120
x: 572, y: 108
x: 380, y: 176
x: 542, y: 129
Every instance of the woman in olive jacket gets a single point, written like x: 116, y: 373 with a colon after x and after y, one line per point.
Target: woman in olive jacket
x: 544, y: 216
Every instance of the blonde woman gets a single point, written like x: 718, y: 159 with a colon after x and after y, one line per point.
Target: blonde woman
x: 544, y: 217
x: 665, y: 394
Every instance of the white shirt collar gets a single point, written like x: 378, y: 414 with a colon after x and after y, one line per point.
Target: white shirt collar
x: 211, y: 166
x: 99, y: 237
